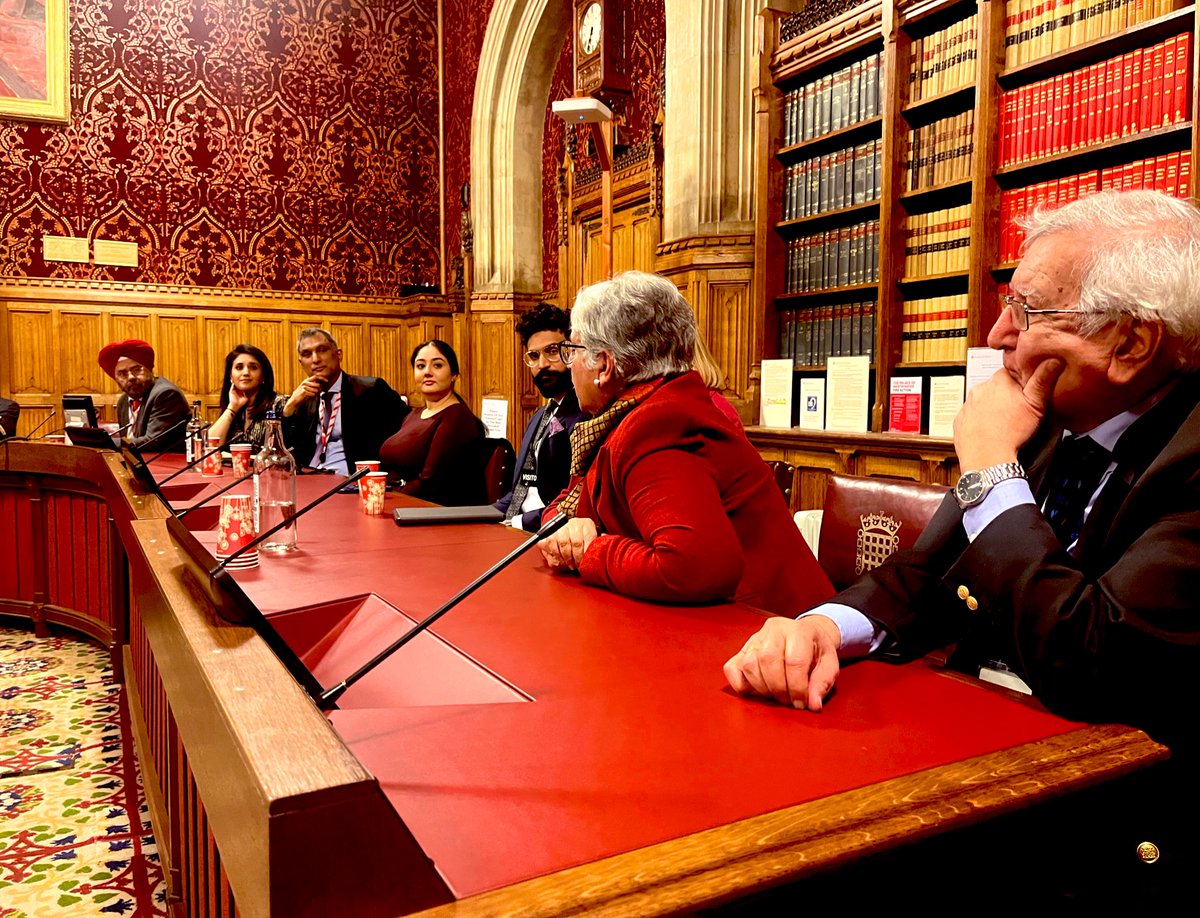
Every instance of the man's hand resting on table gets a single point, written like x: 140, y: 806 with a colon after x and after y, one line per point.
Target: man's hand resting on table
x: 794, y: 661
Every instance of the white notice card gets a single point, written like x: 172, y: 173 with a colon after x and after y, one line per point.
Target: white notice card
x: 776, y: 407
x: 945, y: 398
x: 494, y: 414
x: 847, y: 392
x: 812, y: 404
x: 982, y: 364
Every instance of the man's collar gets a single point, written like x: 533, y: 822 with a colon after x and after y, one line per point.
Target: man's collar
x: 1107, y: 433
x: 336, y: 385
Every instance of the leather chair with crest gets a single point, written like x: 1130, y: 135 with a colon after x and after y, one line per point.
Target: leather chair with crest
x: 864, y: 520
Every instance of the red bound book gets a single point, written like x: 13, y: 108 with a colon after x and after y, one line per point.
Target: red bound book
x: 1160, y: 172
x: 1153, y: 85
x: 1185, y: 175
x: 1183, y: 77
x: 1171, y: 177
x: 1092, y: 131
x: 1167, y: 88
x: 1131, y: 79
x: 1078, y: 111
x: 1112, y: 99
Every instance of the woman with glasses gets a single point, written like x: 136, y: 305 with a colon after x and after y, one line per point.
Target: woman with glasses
x: 668, y: 501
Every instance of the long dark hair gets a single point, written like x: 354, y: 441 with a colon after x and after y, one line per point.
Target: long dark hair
x: 266, y: 389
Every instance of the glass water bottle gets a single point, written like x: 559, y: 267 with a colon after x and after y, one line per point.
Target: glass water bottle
x: 275, y: 489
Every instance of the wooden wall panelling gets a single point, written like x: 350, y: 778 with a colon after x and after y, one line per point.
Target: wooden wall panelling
x: 75, y: 335
x: 725, y: 326
x: 495, y: 368
x: 31, y: 353
x: 271, y: 335
x: 387, y: 355
x: 219, y: 336
x: 646, y: 235
x: 356, y: 353
x: 179, y: 350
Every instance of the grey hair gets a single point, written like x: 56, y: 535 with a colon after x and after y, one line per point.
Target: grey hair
x: 315, y: 332
x: 1143, y: 261
x: 642, y: 320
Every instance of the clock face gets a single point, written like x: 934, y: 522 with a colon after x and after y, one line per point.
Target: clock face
x: 591, y: 23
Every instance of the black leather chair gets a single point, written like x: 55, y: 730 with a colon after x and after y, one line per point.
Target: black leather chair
x: 498, y: 459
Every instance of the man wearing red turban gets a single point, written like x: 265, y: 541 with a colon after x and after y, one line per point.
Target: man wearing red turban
x: 151, y: 407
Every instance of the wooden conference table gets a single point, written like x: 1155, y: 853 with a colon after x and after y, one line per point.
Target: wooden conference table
x: 552, y: 748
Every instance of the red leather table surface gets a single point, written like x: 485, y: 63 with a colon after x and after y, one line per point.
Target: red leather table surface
x: 631, y: 736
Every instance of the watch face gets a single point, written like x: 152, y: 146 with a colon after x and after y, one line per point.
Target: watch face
x: 590, y: 25
x: 970, y: 487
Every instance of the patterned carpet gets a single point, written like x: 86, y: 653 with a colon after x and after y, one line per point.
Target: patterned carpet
x: 75, y: 837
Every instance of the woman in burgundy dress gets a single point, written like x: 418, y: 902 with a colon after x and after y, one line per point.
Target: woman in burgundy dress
x: 436, y: 452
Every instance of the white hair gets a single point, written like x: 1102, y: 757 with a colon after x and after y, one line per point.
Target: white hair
x: 1143, y: 260
x: 642, y: 320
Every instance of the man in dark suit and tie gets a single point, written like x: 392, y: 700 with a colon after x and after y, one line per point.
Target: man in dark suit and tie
x: 543, y: 464
x: 151, y: 407
x: 333, y: 419
x: 1069, y: 553
x: 9, y: 412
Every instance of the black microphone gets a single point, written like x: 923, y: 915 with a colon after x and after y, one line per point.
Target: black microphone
x: 46, y: 420
x: 263, y: 536
x: 215, y: 494
x: 152, y: 444
x: 195, y: 462
x: 329, y: 697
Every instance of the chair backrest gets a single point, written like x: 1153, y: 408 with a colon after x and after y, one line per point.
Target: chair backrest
x: 785, y: 474
x: 498, y: 461
x: 866, y: 519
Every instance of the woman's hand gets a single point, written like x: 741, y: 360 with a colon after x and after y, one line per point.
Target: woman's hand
x: 237, y: 399
x: 565, y: 548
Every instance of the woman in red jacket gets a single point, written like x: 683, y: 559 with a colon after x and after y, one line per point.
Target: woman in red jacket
x: 668, y: 502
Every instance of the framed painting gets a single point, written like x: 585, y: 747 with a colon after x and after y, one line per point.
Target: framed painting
x: 34, y: 60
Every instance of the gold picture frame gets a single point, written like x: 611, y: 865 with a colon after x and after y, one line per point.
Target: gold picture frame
x: 22, y: 93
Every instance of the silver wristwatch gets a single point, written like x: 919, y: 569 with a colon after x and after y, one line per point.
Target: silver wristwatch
x: 973, y: 487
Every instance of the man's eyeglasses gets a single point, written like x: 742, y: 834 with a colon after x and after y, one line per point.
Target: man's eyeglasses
x: 552, y: 352
x: 130, y: 372
x: 568, y: 353
x: 1021, y: 311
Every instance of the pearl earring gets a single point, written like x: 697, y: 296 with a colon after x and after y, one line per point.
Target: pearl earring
x: 596, y: 381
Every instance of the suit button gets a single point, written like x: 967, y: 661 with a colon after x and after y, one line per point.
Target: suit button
x: 972, y: 603
x: 963, y: 592
x: 1147, y: 852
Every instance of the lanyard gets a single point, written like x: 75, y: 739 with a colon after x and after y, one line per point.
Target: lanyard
x: 326, y: 421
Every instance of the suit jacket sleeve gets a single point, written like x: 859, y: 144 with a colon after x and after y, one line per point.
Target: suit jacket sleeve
x: 1093, y: 644
x: 9, y: 412
x: 165, y: 409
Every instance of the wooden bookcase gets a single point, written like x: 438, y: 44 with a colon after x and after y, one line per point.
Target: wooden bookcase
x: 896, y: 30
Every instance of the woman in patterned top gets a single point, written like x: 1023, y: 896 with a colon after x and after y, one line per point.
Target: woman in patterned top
x: 247, y: 393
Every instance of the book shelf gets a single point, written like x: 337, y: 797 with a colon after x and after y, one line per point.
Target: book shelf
x: 984, y: 109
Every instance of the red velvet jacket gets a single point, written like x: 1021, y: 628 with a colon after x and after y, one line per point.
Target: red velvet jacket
x: 688, y: 512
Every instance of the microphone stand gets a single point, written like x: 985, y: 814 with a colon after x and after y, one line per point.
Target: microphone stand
x: 328, y: 698
x: 215, y: 494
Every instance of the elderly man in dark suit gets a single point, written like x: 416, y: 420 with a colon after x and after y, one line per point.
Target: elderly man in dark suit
x: 543, y: 465
x: 334, y: 419
x: 151, y: 407
x: 1069, y: 553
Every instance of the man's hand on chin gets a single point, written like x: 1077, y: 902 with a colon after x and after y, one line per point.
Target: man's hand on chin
x: 793, y: 660
x: 1000, y: 415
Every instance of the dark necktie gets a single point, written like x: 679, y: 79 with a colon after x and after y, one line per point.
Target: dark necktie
x: 1078, y: 465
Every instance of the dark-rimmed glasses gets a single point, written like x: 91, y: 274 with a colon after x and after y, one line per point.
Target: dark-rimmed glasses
x: 552, y: 353
x: 1021, y: 311
x: 568, y: 352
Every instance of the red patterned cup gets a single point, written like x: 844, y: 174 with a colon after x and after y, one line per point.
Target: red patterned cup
x: 242, y: 462
x: 235, y: 529
x: 372, y: 490
x: 211, y: 466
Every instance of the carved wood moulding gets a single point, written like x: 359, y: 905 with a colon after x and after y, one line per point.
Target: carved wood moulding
x: 854, y: 27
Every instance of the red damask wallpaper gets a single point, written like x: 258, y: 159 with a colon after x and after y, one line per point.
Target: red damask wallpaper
x: 256, y: 144
x: 465, y: 25
x: 645, y: 50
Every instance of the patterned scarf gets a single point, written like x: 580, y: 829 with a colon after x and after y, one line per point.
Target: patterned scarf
x: 588, y: 436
